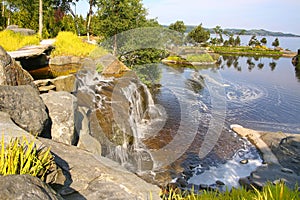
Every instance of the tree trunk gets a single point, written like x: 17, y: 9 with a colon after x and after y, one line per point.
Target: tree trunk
x: 115, y: 45
x: 40, y: 18
x: 91, y: 2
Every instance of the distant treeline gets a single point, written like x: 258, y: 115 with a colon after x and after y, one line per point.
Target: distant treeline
x: 257, y: 32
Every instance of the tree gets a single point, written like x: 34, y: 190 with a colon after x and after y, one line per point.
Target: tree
x: 275, y: 43
x: 116, y: 16
x: 219, y: 31
x: 263, y: 41
x: 253, y: 41
x: 237, y: 41
x: 199, y: 34
x: 178, y: 26
x: 40, y: 18
x: 92, y: 3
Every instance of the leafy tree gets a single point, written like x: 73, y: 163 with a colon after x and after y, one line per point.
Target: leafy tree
x: 263, y: 41
x: 219, y: 31
x: 178, y: 26
x: 116, y: 16
x: 199, y: 34
x: 237, y: 41
x: 231, y: 40
x: 253, y: 41
x: 275, y: 43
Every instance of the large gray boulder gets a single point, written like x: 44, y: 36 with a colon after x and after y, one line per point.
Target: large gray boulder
x: 12, y: 73
x: 25, y: 107
x: 86, y: 141
x: 93, y: 177
x: 62, y: 107
x: 23, y: 31
x: 25, y: 187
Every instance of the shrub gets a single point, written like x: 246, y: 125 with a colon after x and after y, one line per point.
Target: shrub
x: 69, y: 44
x: 11, y: 41
x: 23, y: 157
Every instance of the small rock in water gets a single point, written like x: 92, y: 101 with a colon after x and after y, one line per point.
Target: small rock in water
x: 287, y: 170
x: 219, y: 182
x: 182, y: 182
x: 244, y: 161
x: 203, y: 186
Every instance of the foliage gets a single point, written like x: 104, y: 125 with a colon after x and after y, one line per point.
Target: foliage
x: 275, y: 43
x: 23, y: 157
x: 263, y: 41
x: 67, y: 43
x: 97, y: 53
x: 199, y: 34
x: 11, y: 41
x: 149, y: 74
x: 269, y: 192
x: 253, y: 41
x: 143, y: 56
x: 178, y: 26
x: 256, y: 51
x: 205, y: 57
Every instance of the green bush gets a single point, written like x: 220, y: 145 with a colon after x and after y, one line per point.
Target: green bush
x: 23, y: 157
x: 69, y: 44
x: 11, y: 41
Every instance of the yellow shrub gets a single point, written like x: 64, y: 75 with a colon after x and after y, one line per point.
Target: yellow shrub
x: 11, y: 41
x: 69, y: 44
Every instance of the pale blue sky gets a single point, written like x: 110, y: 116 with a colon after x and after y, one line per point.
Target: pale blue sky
x: 273, y: 15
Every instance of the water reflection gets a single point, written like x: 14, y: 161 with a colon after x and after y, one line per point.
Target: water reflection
x: 251, y: 62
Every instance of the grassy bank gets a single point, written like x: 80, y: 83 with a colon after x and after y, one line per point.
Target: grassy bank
x: 269, y: 192
x: 247, y: 51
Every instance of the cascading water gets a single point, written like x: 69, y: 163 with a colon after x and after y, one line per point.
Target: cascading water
x: 123, y: 108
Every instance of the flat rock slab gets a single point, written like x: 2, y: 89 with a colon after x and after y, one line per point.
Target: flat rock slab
x: 30, y: 51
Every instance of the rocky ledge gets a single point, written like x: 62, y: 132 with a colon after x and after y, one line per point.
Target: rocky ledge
x: 281, y: 155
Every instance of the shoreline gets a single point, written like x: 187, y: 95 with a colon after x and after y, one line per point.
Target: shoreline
x: 280, y: 153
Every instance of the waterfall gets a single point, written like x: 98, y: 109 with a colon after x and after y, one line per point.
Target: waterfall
x: 122, y: 110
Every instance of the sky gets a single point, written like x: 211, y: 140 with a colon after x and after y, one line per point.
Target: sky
x: 272, y: 15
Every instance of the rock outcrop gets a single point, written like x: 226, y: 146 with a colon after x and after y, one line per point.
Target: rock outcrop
x: 62, y: 108
x: 92, y: 177
x: 280, y: 153
x: 25, y: 187
x: 23, y: 31
x: 112, y: 66
x: 61, y: 83
x: 25, y: 107
x: 12, y: 73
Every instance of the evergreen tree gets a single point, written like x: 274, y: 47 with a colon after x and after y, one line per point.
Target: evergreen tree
x: 263, y: 41
x: 199, y: 34
x: 275, y: 43
x: 178, y: 26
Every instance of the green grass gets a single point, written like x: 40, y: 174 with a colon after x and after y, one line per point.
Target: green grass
x: 205, y: 57
x: 11, y: 41
x: 69, y: 44
x: 23, y: 157
x: 245, y: 50
x: 269, y: 192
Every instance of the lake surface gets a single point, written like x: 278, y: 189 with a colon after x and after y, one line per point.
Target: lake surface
x: 257, y: 93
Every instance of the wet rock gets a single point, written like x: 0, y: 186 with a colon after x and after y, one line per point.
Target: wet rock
x: 244, y: 161
x: 12, y: 73
x: 26, y: 108
x: 218, y: 182
x: 182, y: 182
x: 278, y: 181
x: 62, y: 108
x: 287, y: 170
x: 203, y: 186
x: 65, y: 60
x: 26, y: 187
x: 65, y: 83
x: 112, y: 66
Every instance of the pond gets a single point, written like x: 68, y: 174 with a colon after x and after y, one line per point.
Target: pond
x: 202, y: 102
